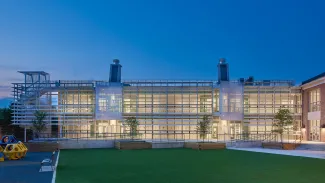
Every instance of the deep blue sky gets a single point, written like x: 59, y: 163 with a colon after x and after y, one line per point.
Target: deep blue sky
x: 162, y: 39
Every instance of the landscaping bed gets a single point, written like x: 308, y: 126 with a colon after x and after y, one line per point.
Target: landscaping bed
x: 277, y: 145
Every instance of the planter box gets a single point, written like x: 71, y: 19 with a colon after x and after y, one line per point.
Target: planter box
x: 284, y: 146
x: 204, y: 145
x: 289, y: 146
x: 133, y: 145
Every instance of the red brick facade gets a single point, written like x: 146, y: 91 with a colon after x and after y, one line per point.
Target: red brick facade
x: 305, y: 109
x: 322, y: 98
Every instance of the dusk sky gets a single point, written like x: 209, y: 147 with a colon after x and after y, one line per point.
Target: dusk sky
x: 161, y: 39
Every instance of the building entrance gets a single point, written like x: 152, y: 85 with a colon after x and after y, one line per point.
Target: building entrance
x: 314, y: 130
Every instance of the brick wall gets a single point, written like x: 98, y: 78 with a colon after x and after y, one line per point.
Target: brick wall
x: 322, y: 104
x: 322, y: 112
x: 305, y: 108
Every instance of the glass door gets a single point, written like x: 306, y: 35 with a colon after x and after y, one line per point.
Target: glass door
x: 235, y: 129
x: 314, y: 130
x: 215, y: 132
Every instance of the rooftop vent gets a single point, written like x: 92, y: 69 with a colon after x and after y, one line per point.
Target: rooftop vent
x: 222, y: 60
x: 116, y: 61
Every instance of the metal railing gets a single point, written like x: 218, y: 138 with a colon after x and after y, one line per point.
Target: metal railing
x: 169, y: 137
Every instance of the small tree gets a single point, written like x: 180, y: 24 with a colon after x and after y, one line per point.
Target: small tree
x: 283, y: 121
x: 203, y: 127
x: 132, y: 123
x: 6, y: 126
x: 39, y: 125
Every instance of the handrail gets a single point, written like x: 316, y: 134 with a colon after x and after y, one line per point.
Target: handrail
x: 156, y: 136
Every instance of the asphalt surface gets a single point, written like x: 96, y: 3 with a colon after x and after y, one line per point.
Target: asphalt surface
x: 26, y: 170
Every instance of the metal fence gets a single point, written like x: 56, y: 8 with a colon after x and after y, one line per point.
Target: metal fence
x: 163, y: 137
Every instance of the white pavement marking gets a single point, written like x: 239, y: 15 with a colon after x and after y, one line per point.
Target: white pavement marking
x: 301, y: 153
x: 56, y: 165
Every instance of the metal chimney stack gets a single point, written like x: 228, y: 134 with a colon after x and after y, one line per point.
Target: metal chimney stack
x: 115, y: 72
x: 223, y: 70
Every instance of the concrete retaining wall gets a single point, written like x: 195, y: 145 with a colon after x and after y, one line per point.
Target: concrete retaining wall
x: 86, y: 144
x: 41, y: 146
x: 248, y: 144
x: 133, y: 145
x: 161, y: 145
x: 191, y: 145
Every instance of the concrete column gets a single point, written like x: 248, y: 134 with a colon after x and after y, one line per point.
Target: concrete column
x: 25, y: 134
x: 60, y: 131
x: 305, y: 106
x: 322, y: 112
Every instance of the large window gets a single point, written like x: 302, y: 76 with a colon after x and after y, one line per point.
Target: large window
x: 74, y: 101
x: 108, y: 102
x: 170, y: 100
x: 314, y: 100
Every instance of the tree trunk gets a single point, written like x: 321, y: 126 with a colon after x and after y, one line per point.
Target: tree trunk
x: 36, y: 135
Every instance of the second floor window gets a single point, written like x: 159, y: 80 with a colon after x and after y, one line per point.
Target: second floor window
x: 314, y: 100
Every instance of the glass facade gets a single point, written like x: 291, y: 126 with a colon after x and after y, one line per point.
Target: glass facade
x: 262, y: 102
x: 164, y: 109
x: 167, y: 109
x: 108, y: 101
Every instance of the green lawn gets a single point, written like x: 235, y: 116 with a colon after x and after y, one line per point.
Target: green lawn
x: 185, y: 165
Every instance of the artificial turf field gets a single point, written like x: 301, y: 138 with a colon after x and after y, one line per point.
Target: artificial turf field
x: 185, y: 165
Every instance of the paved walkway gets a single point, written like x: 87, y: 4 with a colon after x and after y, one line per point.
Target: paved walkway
x: 25, y: 170
x: 312, y: 142
x: 301, y: 153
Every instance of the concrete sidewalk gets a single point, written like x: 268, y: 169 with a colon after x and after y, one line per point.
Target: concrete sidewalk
x: 26, y: 170
x: 301, y: 153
